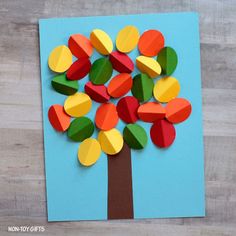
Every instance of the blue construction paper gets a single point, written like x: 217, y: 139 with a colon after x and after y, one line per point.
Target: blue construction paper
x: 166, y: 182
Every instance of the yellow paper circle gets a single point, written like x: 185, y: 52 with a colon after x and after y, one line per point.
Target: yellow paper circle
x: 111, y: 141
x: 60, y: 59
x: 166, y: 89
x: 127, y: 39
x: 101, y: 41
x: 89, y: 152
x: 78, y: 104
x: 149, y: 66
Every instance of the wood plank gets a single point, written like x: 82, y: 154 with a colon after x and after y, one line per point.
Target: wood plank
x: 218, y: 66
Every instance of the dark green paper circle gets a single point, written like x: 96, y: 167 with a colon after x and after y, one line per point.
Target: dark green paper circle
x: 80, y: 129
x: 142, y: 87
x: 101, y: 71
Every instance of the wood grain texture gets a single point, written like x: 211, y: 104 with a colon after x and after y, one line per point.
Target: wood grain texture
x: 22, y: 181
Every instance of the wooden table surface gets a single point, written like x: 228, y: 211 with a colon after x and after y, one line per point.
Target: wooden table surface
x: 22, y: 179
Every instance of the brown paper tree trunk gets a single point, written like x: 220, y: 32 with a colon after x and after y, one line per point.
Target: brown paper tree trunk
x: 120, y: 194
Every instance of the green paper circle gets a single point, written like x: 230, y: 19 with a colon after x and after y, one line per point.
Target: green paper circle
x: 142, y: 87
x: 64, y: 86
x: 168, y: 60
x: 135, y: 136
x: 101, y: 71
x: 80, y: 129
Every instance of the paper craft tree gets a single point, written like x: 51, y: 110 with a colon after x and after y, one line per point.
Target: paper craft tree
x: 102, y: 89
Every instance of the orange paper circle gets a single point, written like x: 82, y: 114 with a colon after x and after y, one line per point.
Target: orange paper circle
x: 120, y: 85
x: 151, y: 42
x: 178, y: 110
x: 59, y: 120
x: 106, y: 116
x: 80, y: 46
x: 151, y: 111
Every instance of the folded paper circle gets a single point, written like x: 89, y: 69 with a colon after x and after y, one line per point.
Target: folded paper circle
x: 101, y: 41
x: 167, y: 58
x: 151, y: 42
x: 162, y: 133
x: 78, y: 104
x: 64, y: 86
x: 127, y: 109
x: 101, y: 71
x: 106, y: 116
x: 120, y: 85
x: 111, y: 141
x: 79, y: 69
x: 59, y: 120
x: 89, y: 152
x: 80, y: 46
x: 97, y: 93
x: 80, y: 129
x: 135, y: 136
x: 178, y: 110
x: 166, y: 89
x: 127, y: 39
x: 142, y: 87
x: 60, y: 59
x: 149, y: 66
x: 151, y: 111
x: 121, y: 62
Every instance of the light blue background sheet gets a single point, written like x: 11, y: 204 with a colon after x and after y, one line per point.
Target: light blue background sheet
x: 166, y: 182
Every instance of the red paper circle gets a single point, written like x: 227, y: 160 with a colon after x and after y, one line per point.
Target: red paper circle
x: 79, y: 69
x: 162, y: 133
x: 127, y: 109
